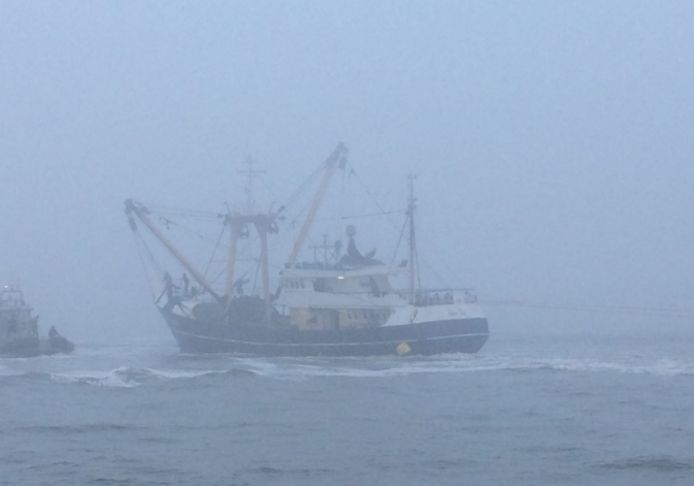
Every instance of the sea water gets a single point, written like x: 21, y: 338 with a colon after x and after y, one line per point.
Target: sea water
x: 543, y: 411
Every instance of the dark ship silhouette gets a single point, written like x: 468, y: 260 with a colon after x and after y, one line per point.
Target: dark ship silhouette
x: 19, y: 333
x: 342, y: 305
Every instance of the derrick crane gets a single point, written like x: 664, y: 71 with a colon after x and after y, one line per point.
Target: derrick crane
x: 337, y: 159
x: 142, y: 213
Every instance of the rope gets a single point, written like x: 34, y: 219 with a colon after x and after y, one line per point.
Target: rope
x: 141, y: 247
x: 397, y: 247
x: 432, y: 269
x: 295, y: 195
x: 190, y: 213
x: 383, y: 212
x: 168, y: 223
x: 371, y: 215
x: 144, y: 269
x: 214, y: 252
x: 654, y: 311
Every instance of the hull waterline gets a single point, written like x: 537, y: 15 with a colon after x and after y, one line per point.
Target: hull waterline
x: 209, y: 336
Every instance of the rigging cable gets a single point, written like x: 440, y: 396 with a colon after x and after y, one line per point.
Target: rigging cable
x: 141, y: 247
x: 397, y: 246
x: 214, y: 252
x: 433, y: 270
x: 168, y: 223
x: 295, y: 195
x: 652, y: 311
x: 383, y: 212
x: 372, y: 215
x: 189, y: 213
x: 369, y: 193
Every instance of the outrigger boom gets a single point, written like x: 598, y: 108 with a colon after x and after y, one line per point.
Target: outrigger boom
x: 139, y: 210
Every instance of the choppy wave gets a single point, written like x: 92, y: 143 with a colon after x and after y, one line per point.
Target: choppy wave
x: 660, y: 367
x: 300, y: 369
x: 123, y: 377
x: 76, y: 429
x: 653, y: 463
x: 463, y: 364
x: 130, y: 377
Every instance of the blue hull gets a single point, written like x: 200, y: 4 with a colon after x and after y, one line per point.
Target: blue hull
x: 218, y: 336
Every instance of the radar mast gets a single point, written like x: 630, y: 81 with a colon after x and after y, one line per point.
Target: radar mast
x: 411, y: 207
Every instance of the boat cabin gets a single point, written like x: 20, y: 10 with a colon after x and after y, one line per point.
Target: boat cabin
x: 319, y: 296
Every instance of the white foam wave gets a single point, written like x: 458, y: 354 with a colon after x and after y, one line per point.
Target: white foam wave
x: 465, y: 364
x: 659, y: 367
x: 127, y: 377
x: 300, y: 369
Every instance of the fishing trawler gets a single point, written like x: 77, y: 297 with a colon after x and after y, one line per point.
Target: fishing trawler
x: 344, y: 304
x: 19, y: 332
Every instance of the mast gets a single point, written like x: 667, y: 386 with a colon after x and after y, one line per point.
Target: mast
x: 337, y: 158
x: 251, y: 174
x: 142, y: 214
x: 236, y: 222
x: 234, y: 233
x: 411, y: 206
x: 262, y: 228
x: 264, y: 224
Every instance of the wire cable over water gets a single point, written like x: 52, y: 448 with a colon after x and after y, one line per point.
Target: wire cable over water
x: 677, y: 313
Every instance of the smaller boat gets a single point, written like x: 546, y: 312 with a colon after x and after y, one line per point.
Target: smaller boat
x: 19, y: 330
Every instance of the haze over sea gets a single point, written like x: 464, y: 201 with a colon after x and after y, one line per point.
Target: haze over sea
x: 553, y: 147
x: 577, y: 409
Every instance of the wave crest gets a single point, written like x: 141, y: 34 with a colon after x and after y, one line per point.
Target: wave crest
x: 387, y: 367
x: 305, y: 368
x: 128, y: 377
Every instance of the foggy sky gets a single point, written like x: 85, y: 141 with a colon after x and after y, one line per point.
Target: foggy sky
x: 552, y: 140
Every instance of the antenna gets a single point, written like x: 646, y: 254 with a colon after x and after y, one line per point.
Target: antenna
x: 251, y: 175
x: 325, y: 248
